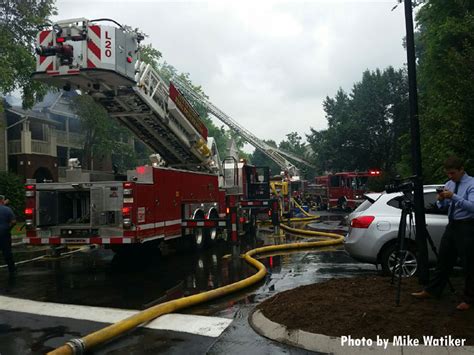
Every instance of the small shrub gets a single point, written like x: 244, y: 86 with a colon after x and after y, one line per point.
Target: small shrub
x: 13, y: 188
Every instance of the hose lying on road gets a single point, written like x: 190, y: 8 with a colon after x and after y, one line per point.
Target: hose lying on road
x: 79, y: 346
x: 46, y: 257
x: 301, y: 209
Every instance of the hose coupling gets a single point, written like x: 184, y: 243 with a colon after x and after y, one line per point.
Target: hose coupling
x: 77, y: 346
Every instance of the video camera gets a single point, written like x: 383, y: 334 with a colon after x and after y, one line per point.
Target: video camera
x: 401, y: 185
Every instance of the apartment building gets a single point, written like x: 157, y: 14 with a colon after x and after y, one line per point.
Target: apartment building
x: 37, y: 143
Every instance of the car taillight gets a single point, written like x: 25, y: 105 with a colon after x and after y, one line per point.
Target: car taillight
x: 362, y: 222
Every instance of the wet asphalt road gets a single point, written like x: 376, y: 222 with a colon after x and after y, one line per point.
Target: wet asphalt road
x: 100, y: 278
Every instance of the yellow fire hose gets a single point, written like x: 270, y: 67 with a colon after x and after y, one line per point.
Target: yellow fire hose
x: 78, y: 346
x: 301, y: 208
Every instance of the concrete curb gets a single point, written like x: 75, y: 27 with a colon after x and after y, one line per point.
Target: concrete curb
x: 332, y: 345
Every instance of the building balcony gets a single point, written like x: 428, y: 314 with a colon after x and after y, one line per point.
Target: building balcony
x: 37, y: 147
x: 72, y: 140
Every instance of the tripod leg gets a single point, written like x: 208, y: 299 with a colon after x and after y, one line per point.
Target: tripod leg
x: 400, y: 256
x: 399, y: 244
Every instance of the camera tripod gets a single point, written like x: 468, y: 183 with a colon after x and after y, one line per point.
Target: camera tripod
x: 407, y: 206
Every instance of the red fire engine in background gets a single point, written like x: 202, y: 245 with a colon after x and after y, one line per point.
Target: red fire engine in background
x: 344, y: 190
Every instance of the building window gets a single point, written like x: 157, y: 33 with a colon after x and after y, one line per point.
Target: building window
x: 38, y: 131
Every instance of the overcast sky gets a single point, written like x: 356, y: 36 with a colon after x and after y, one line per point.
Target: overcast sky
x: 267, y: 64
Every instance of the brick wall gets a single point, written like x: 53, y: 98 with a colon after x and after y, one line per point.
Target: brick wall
x: 27, y: 165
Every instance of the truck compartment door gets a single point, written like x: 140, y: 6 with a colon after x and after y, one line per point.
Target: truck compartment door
x: 98, y: 216
x: 47, y: 208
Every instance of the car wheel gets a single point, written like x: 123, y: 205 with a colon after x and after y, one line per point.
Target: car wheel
x: 390, y: 260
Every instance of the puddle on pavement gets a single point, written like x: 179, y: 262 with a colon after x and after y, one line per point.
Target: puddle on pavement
x: 101, y: 278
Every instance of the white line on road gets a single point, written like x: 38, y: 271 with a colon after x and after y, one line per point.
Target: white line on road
x: 200, y: 325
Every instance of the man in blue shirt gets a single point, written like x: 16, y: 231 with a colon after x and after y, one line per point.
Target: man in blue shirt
x: 7, y: 221
x: 458, y: 238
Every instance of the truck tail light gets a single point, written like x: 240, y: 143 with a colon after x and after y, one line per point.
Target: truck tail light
x: 30, y: 190
x: 128, y: 189
x: 126, y: 211
x: 29, y: 212
x: 127, y: 217
x: 362, y: 222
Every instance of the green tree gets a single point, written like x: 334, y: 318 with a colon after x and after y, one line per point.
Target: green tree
x: 12, y: 187
x: 364, y: 127
x: 102, y: 135
x: 446, y: 72
x: 19, y: 21
x: 293, y: 144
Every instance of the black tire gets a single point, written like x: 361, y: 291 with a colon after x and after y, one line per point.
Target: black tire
x: 252, y: 222
x: 199, y: 238
x: 199, y: 235
x: 212, y: 234
x: 388, y: 258
x: 342, y: 203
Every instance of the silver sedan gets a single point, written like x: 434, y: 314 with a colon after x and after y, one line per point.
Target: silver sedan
x: 373, y: 231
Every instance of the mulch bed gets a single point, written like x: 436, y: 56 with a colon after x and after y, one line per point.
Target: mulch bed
x: 365, y: 307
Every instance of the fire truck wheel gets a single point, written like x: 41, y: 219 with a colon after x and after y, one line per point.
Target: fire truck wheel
x: 253, y: 222
x: 342, y: 204
x: 211, y: 234
x: 199, y: 238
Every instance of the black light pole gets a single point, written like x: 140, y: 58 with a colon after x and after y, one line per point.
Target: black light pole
x: 420, y: 221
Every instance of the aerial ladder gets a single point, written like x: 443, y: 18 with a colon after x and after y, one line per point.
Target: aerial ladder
x: 282, y: 187
x: 275, y: 154
x: 103, y: 61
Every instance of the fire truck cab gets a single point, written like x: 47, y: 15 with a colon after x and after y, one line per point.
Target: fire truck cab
x: 345, y: 190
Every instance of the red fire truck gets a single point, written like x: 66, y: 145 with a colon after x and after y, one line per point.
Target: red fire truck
x: 187, y: 192
x: 154, y: 203
x: 343, y: 190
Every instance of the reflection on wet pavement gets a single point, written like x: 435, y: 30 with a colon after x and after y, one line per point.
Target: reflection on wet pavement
x: 100, y: 278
